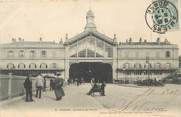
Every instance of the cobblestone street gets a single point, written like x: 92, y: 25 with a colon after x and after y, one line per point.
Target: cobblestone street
x: 123, y: 98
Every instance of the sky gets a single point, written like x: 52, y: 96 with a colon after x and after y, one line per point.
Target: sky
x: 52, y: 19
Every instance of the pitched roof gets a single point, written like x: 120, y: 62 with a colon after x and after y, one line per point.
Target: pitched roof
x: 31, y: 44
x: 88, y: 33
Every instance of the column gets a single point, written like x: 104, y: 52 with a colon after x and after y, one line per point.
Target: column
x: 66, y: 76
x: 10, y: 86
x: 114, y: 65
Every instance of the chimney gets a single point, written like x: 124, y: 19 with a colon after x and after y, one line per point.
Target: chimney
x: 66, y: 36
x: 19, y: 39
x: 115, y: 37
x: 13, y: 40
x: 140, y: 40
x: 130, y: 40
x: 41, y: 39
x: 158, y: 40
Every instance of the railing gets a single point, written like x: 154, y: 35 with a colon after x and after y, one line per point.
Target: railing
x: 12, y: 86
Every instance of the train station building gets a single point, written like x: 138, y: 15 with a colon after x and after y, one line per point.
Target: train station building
x: 91, y: 54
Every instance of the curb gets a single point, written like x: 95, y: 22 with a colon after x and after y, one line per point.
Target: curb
x: 5, y: 102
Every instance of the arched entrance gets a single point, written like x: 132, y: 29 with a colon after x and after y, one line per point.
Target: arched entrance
x: 87, y: 70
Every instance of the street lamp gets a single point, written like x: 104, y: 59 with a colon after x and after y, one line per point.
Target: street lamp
x: 147, y: 61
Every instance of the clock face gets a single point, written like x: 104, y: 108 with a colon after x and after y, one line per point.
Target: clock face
x: 161, y: 16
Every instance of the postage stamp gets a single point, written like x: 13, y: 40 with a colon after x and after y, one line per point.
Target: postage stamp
x: 161, y: 16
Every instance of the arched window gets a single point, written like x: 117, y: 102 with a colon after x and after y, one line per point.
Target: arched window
x: 10, y: 53
x: 157, y: 66
x: 10, y: 66
x: 32, y: 66
x: 147, y: 65
x: 43, y: 66
x: 167, y: 54
x: 21, y: 53
x: 126, y: 65
x: 137, y: 66
x: 21, y: 66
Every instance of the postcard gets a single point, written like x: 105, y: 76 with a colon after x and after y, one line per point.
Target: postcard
x: 97, y: 58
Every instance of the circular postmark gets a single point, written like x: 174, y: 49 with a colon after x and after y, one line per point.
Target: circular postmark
x: 161, y: 16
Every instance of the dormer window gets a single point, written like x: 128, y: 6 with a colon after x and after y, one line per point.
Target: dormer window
x: 10, y: 53
x: 32, y: 53
x: 21, y: 53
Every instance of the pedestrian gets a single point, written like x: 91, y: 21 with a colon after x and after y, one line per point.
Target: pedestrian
x: 28, y: 89
x: 93, y: 81
x: 103, y: 85
x: 51, y: 84
x: 39, y: 85
x: 75, y: 81
x: 82, y: 80
x: 78, y: 81
x: 44, y: 84
x: 59, y: 92
x: 68, y: 81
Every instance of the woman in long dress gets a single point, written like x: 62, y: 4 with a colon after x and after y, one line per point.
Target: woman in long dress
x: 59, y: 92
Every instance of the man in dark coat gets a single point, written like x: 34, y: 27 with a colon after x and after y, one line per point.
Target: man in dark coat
x: 103, y: 85
x: 28, y: 88
x: 59, y: 92
x: 51, y: 84
x: 44, y: 84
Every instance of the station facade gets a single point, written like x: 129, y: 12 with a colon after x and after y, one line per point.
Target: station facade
x: 91, y: 54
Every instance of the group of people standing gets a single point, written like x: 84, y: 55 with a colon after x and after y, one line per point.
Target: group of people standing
x: 56, y: 84
x: 77, y: 81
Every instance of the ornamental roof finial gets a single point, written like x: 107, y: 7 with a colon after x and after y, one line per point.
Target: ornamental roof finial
x: 90, y: 25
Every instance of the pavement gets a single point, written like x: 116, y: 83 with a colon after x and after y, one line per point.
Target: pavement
x: 120, y: 98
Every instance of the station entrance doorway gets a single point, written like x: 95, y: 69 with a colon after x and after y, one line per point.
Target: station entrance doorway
x: 87, y: 70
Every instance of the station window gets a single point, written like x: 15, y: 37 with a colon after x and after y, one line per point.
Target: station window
x: 32, y: 66
x: 54, y: 65
x: 21, y: 53
x: 167, y: 54
x: 43, y: 53
x: 10, y: 53
x: 43, y: 66
x: 10, y: 66
x: 21, y: 66
x: 32, y: 53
